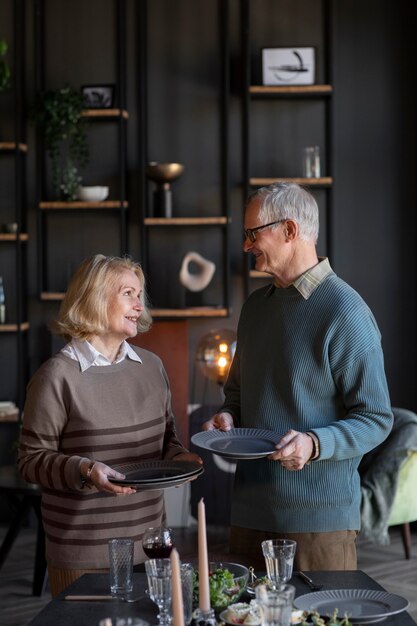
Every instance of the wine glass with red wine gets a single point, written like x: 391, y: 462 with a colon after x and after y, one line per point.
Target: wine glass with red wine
x: 157, y: 542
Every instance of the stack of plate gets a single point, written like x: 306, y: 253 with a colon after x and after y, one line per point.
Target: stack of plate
x: 157, y: 474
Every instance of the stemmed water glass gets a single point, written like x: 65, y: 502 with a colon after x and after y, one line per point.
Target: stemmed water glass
x: 157, y: 542
x: 279, y: 559
x: 159, y: 576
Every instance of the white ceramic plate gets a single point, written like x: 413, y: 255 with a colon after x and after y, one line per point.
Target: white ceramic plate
x: 296, y: 617
x: 223, y: 616
x: 238, y: 443
x: 157, y: 474
x: 363, y: 606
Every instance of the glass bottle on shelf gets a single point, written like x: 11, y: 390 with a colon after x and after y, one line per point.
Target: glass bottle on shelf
x: 2, y: 303
x: 311, y: 162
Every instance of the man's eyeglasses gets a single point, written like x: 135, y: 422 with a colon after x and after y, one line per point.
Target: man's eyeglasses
x: 250, y: 233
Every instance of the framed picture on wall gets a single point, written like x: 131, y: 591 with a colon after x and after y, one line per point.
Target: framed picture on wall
x: 98, y: 96
x: 288, y: 66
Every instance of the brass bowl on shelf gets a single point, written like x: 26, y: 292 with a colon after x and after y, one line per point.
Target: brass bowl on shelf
x: 163, y: 172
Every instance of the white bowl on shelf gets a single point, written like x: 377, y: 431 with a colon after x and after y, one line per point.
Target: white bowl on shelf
x: 92, y: 194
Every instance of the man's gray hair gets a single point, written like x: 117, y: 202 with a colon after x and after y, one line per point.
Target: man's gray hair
x: 289, y: 201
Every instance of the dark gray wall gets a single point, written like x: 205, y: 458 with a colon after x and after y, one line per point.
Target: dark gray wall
x: 374, y: 167
x: 374, y: 136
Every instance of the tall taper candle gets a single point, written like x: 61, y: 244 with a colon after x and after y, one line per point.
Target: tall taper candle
x: 177, y: 599
x: 203, y: 566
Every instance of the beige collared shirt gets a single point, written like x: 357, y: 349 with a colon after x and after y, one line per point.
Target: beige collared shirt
x: 310, y: 279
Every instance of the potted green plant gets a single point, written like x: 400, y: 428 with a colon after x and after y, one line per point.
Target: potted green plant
x: 4, y: 67
x: 58, y: 113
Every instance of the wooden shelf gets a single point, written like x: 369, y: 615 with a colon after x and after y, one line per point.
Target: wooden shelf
x: 78, y: 204
x: 8, y: 146
x: 105, y: 113
x: 191, y: 312
x: 14, y: 237
x: 258, y: 274
x: 9, y: 417
x: 294, y: 90
x: 204, y: 311
x: 13, y: 328
x: 52, y: 295
x: 324, y: 181
x: 185, y: 221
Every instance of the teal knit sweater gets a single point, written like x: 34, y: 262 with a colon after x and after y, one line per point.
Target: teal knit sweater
x: 311, y: 365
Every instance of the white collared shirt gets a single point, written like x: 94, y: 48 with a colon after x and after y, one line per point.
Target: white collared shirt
x: 87, y: 356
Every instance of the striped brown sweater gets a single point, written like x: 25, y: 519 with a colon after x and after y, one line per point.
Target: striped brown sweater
x: 115, y: 414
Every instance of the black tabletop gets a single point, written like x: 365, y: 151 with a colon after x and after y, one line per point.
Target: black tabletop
x: 89, y: 613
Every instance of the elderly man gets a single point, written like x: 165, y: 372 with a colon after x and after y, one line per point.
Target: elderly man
x: 308, y: 365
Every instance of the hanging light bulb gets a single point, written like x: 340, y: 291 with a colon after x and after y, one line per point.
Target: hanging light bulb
x: 215, y: 353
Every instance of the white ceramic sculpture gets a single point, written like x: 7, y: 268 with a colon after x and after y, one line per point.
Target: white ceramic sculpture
x: 201, y: 279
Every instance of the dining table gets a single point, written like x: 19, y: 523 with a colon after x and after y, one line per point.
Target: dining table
x: 87, y: 601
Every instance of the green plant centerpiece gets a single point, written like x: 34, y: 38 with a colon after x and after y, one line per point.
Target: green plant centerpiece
x: 4, y: 67
x: 58, y: 113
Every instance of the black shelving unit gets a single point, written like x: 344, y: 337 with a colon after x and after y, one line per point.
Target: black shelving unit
x: 116, y: 115
x: 253, y: 93
x: 13, y: 235
x: 174, y: 226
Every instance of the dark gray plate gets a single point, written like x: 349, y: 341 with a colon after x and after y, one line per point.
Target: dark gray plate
x: 238, y: 443
x: 363, y: 606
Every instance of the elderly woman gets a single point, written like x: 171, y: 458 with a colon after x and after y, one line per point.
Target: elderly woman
x: 98, y: 403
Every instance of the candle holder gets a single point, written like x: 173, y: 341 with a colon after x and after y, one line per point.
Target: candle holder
x: 203, y: 618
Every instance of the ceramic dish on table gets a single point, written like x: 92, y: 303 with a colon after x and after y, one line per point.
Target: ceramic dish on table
x: 363, y: 606
x: 224, y: 617
x: 238, y: 443
x: 255, y: 619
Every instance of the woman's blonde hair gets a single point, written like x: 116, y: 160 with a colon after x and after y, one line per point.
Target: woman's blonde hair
x: 83, y: 312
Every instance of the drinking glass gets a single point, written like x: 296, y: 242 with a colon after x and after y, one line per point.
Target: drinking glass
x: 311, y: 162
x: 157, y: 542
x: 121, y: 566
x: 159, y: 576
x: 275, y: 604
x: 279, y: 559
x: 187, y: 584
